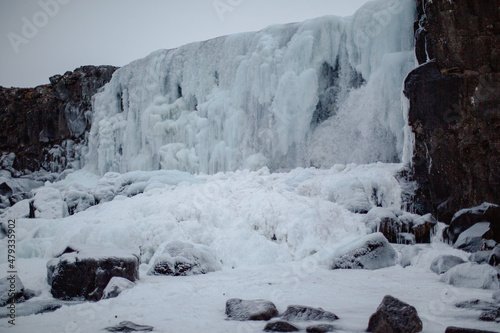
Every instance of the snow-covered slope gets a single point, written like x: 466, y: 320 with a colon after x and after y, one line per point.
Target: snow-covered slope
x: 306, y: 94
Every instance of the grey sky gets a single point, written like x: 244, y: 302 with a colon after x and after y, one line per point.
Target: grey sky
x: 40, y: 38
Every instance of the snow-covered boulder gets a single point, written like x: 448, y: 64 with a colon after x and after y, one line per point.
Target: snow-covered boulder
x: 480, y: 257
x: 181, y: 259
x: 78, y: 198
x: 444, y: 263
x: 368, y: 252
x: 48, y: 204
x: 466, y: 218
x: 471, y: 275
x: 116, y: 286
x: 238, y: 309
x: 471, y: 240
x: 423, y: 228
x: 83, y: 272
x: 11, y: 290
x: 407, y: 255
x: 393, y: 315
x: 306, y: 313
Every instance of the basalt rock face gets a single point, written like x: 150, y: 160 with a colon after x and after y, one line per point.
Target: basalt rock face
x: 454, y: 105
x: 36, y: 120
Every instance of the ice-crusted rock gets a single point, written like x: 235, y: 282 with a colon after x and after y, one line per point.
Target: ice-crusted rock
x: 466, y: 218
x: 78, y: 198
x: 472, y: 275
x: 399, y: 227
x: 128, y: 326
x: 48, y: 204
x: 393, y: 315
x: 11, y: 290
x: 471, y: 240
x: 444, y: 263
x: 368, y: 252
x: 280, y: 326
x: 306, y: 313
x: 238, y: 309
x: 116, y: 286
x: 83, y: 272
x: 181, y: 259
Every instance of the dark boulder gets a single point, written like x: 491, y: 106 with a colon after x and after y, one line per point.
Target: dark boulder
x: 368, y: 252
x: 444, y: 263
x: 83, y: 272
x: 306, y: 313
x: 238, y: 309
x: 128, y: 326
x: 280, y: 326
x: 320, y: 328
x: 393, y: 316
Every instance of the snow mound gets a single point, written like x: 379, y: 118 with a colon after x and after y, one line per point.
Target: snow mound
x: 181, y: 259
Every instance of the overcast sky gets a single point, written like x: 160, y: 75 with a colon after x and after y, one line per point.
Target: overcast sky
x: 41, y: 38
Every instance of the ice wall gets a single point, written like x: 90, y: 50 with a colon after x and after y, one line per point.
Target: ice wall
x: 316, y: 93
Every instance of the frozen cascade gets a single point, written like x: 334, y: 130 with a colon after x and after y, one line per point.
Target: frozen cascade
x: 316, y: 93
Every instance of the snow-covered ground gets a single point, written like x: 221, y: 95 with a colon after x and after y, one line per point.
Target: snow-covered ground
x: 273, y: 233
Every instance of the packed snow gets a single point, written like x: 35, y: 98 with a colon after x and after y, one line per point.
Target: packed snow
x: 252, y: 159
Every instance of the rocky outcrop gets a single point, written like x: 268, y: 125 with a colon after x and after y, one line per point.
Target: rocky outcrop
x: 38, y: 122
x: 454, y: 106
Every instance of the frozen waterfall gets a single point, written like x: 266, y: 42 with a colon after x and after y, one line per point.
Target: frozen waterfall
x: 316, y: 93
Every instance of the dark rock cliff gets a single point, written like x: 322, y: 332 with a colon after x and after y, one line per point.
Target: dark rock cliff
x: 454, y: 105
x: 42, y: 123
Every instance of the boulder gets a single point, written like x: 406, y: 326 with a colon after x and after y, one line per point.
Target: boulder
x: 466, y: 218
x: 444, y: 263
x: 452, y: 329
x: 472, y: 275
x: 116, y: 286
x: 368, y: 252
x: 384, y: 220
x: 393, y: 315
x: 320, y: 328
x: 494, y: 258
x: 11, y: 290
x: 471, y: 240
x: 280, y: 326
x: 243, y: 310
x: 480, y: 257
x: 128, y: 326
x: 48, y: 204
x: 181, y: 259
x: 306, y: 313
x: 490, y: 315
x: 423, y: 228
x: 83, y: 272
